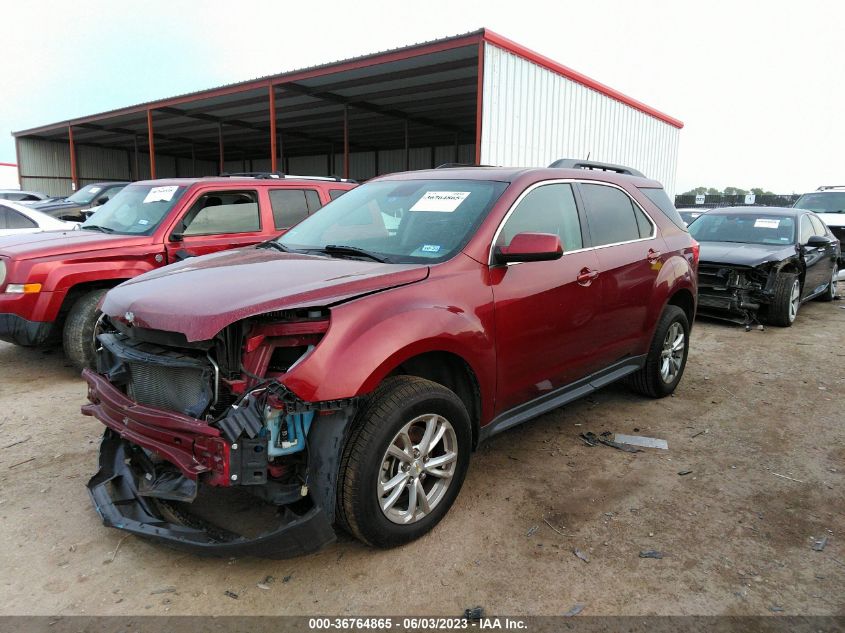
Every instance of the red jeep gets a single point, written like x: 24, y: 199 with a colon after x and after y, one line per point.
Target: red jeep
x: 343, y: 373
x: 51, y: 283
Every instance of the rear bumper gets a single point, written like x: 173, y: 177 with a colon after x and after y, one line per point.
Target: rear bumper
x: 15, y: 329
x: 114, y: 491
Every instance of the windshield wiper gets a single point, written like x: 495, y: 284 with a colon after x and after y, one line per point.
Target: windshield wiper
x: 276, y: 245
x: 97, y: 227
x: 341, y: 249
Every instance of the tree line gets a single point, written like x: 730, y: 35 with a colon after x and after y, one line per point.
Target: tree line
x: 729, y: 191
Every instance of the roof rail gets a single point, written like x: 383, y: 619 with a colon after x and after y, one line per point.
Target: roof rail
x: 459, y: 165
x: 826, y: 187
x: 574, y: 163
x: 279, y: 175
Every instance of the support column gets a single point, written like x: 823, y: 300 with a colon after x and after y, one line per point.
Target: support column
x: 74, y: 179
x: 346, y: 141
x: 151, y: 143
x: 271, y: 93
x: 479, y: 97
x: 220, y: 148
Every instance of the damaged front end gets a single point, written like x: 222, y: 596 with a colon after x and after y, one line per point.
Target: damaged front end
x: 206, y: 449
x: 735, y: 293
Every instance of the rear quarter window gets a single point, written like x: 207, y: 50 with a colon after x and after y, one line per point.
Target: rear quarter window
x: 661, y: 201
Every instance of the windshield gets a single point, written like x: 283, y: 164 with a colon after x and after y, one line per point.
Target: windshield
x: 399, y: 221
x: 745, y: 228
x: 86, y: 194
x: 136, y: 210
x: 822, y: 202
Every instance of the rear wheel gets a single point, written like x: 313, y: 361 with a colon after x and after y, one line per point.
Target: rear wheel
x: 80, y: 329
x: 787, y: 300
x: 404, y: 462
x: 830, y: 292
x: 667, y: 356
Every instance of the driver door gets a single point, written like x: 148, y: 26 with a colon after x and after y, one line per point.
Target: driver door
x: 545, y: 311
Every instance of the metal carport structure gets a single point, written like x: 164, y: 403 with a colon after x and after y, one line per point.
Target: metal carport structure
x: 457, y: 99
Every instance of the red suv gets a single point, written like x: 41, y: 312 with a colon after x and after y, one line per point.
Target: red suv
x: 343, y: 373
x: 52, y: 283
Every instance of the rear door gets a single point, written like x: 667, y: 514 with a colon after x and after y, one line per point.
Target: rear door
x: 630, y: 255
x: 216, y: 220
x: 818, y: 260
x: 291, y: 205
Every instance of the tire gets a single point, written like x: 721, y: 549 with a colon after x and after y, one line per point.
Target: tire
x: 78, y: 334
x: 783, y: 309
x: 830, y: 292
x: 366, y: 464
x: 656, y: 379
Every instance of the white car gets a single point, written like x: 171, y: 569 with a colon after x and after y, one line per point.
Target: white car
x: 829, y: 204
x: 19, y: 219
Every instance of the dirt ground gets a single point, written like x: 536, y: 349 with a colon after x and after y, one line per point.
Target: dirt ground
x: 754, y: 413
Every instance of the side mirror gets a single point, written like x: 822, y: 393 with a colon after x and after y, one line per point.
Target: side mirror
x: 529, y: 247
x: 102, y: 200
x: 819, y: 241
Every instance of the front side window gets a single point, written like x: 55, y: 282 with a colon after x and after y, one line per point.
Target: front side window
x: 222, y: 212
x: 290, y: 206
x: 818, y: 226
x: 399, y: 221
x: 822, y: 202
x: 546, y: 209
x: 613, y: 216
x: 744, y: 228
x: 806, y: 229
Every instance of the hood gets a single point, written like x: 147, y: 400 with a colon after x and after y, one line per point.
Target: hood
x: 744, y: 254
x: 202, y: 295
x: 832, y: 219
x: 68, y: 242
x: 54, y: 205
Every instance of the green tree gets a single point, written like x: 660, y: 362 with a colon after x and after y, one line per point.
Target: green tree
x: 695, y: 192
x: 735, y: 191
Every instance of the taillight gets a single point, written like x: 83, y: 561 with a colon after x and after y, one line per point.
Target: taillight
x: 696, y: 249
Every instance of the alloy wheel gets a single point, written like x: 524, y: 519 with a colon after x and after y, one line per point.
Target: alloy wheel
x: 794, y: 300
x: 672, y: 355
x: 417, y: 469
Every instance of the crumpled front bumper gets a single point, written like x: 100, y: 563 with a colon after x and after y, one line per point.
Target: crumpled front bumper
x: 114, y: 491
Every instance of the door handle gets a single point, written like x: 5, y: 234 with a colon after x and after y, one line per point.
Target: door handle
x: 585, y: 276
x: 652, y: 255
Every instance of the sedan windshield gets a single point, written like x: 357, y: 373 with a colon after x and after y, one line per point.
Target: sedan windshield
x: 744, y: 228
x: 822, y: 202
x: 136, y: 210
x: 398, y: 221
x: 86, y: 194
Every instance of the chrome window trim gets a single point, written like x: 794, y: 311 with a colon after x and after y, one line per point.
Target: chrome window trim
x: 557, y: 181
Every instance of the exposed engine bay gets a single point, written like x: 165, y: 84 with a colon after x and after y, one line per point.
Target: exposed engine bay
x: 735, y: 293
x: 187, y: 416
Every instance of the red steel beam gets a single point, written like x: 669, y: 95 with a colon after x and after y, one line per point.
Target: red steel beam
x: 271, y: 93
x: 74, y: 179
x: 479, y: 100
x: 346, y: 141
x: 151, y: 143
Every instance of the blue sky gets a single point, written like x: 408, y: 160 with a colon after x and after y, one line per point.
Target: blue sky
x: 759, y: 85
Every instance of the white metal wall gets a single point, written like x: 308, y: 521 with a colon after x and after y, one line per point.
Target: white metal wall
x: 533, y: 116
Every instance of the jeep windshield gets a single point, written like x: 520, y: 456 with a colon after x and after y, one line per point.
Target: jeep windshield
x: 744, y: 228
x: 397, y: 221
x: 822, y: 202
x: 135, y: 210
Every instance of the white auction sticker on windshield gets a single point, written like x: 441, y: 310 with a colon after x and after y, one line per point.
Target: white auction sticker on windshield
x: 440, y: 201
x: 160, y: 194
x: 766, y: 223
x: 95, y: 189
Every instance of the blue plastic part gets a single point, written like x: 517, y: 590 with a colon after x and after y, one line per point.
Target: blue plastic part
x: 296, y: 425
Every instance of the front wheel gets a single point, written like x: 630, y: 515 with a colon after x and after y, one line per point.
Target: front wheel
x: 667, y: 356
x: 404, y: 463
x: 786, y: 301
x: 80, y: 329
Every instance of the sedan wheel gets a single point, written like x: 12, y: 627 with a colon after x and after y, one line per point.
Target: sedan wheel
x: 672, y: 356
x: 794, y: 300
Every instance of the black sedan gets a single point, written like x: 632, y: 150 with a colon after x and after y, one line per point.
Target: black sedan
x: 763, y: 261
x: 74, y: 206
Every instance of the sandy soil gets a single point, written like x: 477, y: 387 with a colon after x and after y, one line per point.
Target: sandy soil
x: 737, y: 538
